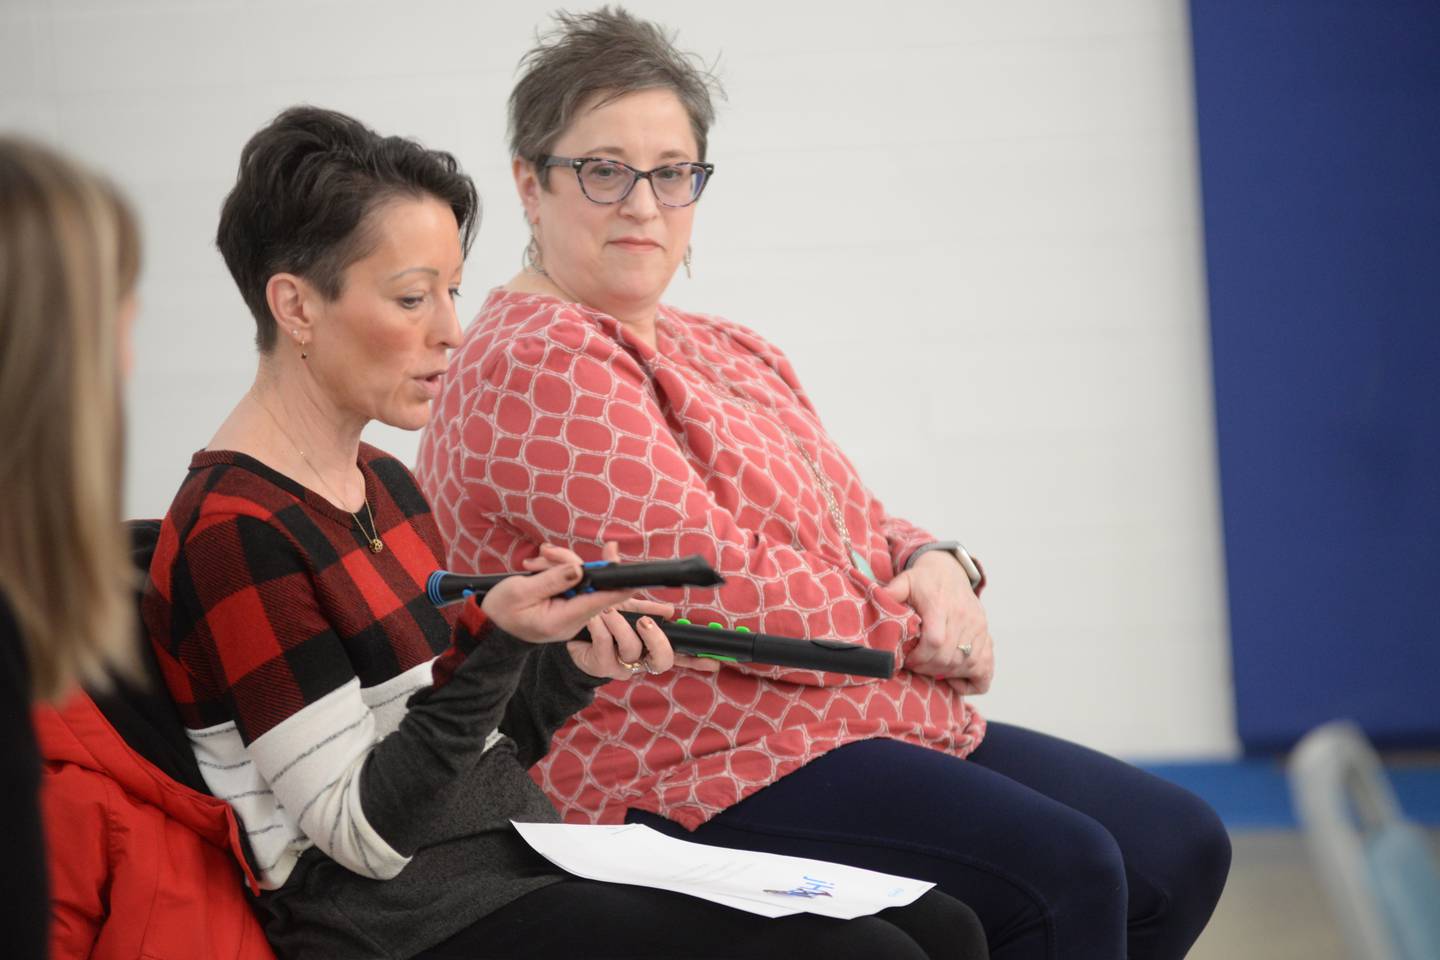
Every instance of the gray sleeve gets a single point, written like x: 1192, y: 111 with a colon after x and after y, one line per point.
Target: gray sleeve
x: 551, y: 690
x: 410, y: 775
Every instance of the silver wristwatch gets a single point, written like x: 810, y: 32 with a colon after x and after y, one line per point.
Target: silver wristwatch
x: 957, y: 550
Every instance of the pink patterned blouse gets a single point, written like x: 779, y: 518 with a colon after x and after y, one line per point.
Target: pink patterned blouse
x: 557, y: 424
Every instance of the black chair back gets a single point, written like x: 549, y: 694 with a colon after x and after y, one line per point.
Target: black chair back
x: 142, y: 712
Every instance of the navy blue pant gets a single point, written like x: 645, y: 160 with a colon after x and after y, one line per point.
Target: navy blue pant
x: 1061, y: 851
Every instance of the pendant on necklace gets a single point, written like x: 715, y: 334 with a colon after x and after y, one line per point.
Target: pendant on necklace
x: 376, y: 545
x: 861, y: 563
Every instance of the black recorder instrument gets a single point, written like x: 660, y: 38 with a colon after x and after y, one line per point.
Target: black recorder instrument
x: 743, y: 646
x: 714, y: 641
x: 444, y: 587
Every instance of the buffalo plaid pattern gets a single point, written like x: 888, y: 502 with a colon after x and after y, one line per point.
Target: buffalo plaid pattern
x: 263, y: 597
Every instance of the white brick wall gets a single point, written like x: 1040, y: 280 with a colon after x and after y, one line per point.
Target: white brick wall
x: 974, y: 226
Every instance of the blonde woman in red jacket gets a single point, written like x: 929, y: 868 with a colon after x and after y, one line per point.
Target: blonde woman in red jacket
x: 130, y: 862
x: 69, y: 256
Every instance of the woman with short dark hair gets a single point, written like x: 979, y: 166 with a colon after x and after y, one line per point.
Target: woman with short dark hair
x: 373, y: 747
x: 580, y: 409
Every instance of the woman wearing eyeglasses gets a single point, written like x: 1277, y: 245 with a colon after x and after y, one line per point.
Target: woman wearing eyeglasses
x: 581, y: 409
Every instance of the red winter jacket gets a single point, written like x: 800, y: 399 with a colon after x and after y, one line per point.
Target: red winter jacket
x: 140, y: 865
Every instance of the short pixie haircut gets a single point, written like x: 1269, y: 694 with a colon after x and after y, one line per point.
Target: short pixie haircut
x: 606, y: 52
x: 309, y: 181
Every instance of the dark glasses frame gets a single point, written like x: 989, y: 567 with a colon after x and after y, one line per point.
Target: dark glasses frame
x: 706, y: 171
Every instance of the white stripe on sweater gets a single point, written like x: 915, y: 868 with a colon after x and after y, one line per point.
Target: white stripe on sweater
x: 310, y: 763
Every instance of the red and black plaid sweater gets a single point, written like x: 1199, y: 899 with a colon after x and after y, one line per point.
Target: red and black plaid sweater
x: 295, y: 654
x: 275, y: 562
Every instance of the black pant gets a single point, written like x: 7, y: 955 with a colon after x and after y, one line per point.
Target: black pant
x: 1063, y: 853
x: 584, y: 920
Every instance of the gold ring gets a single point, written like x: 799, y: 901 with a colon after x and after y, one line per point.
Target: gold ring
x: 632, y: 667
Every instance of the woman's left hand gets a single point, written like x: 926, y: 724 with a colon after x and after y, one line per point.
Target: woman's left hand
x: 952, y: 622
x: 615, y: 648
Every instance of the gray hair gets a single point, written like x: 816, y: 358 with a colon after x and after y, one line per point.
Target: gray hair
x: 609, y: 52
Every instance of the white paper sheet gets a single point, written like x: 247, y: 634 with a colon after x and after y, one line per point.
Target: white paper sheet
x: 764, y: 883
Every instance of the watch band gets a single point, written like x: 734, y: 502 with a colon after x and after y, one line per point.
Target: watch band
x: 957, y: 550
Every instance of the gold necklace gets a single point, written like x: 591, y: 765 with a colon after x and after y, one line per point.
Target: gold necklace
x: 376, y: 544
x: 822, y: 482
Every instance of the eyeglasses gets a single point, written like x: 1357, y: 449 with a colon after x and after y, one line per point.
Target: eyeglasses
x: 610, y: 181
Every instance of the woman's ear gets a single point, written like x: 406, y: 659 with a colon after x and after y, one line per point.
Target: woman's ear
x: 289, y: 297
x: 527, y: 185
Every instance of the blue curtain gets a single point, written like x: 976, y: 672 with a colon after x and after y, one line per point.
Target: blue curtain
x: 1319, y: 129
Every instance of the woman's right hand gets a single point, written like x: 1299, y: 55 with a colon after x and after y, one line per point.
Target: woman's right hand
x: 532, y: 609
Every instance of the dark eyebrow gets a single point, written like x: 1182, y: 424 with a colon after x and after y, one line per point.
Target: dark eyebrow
x: 430, y: 270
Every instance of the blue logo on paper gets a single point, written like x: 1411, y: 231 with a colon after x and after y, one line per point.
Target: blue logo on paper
x: 807, y: 889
